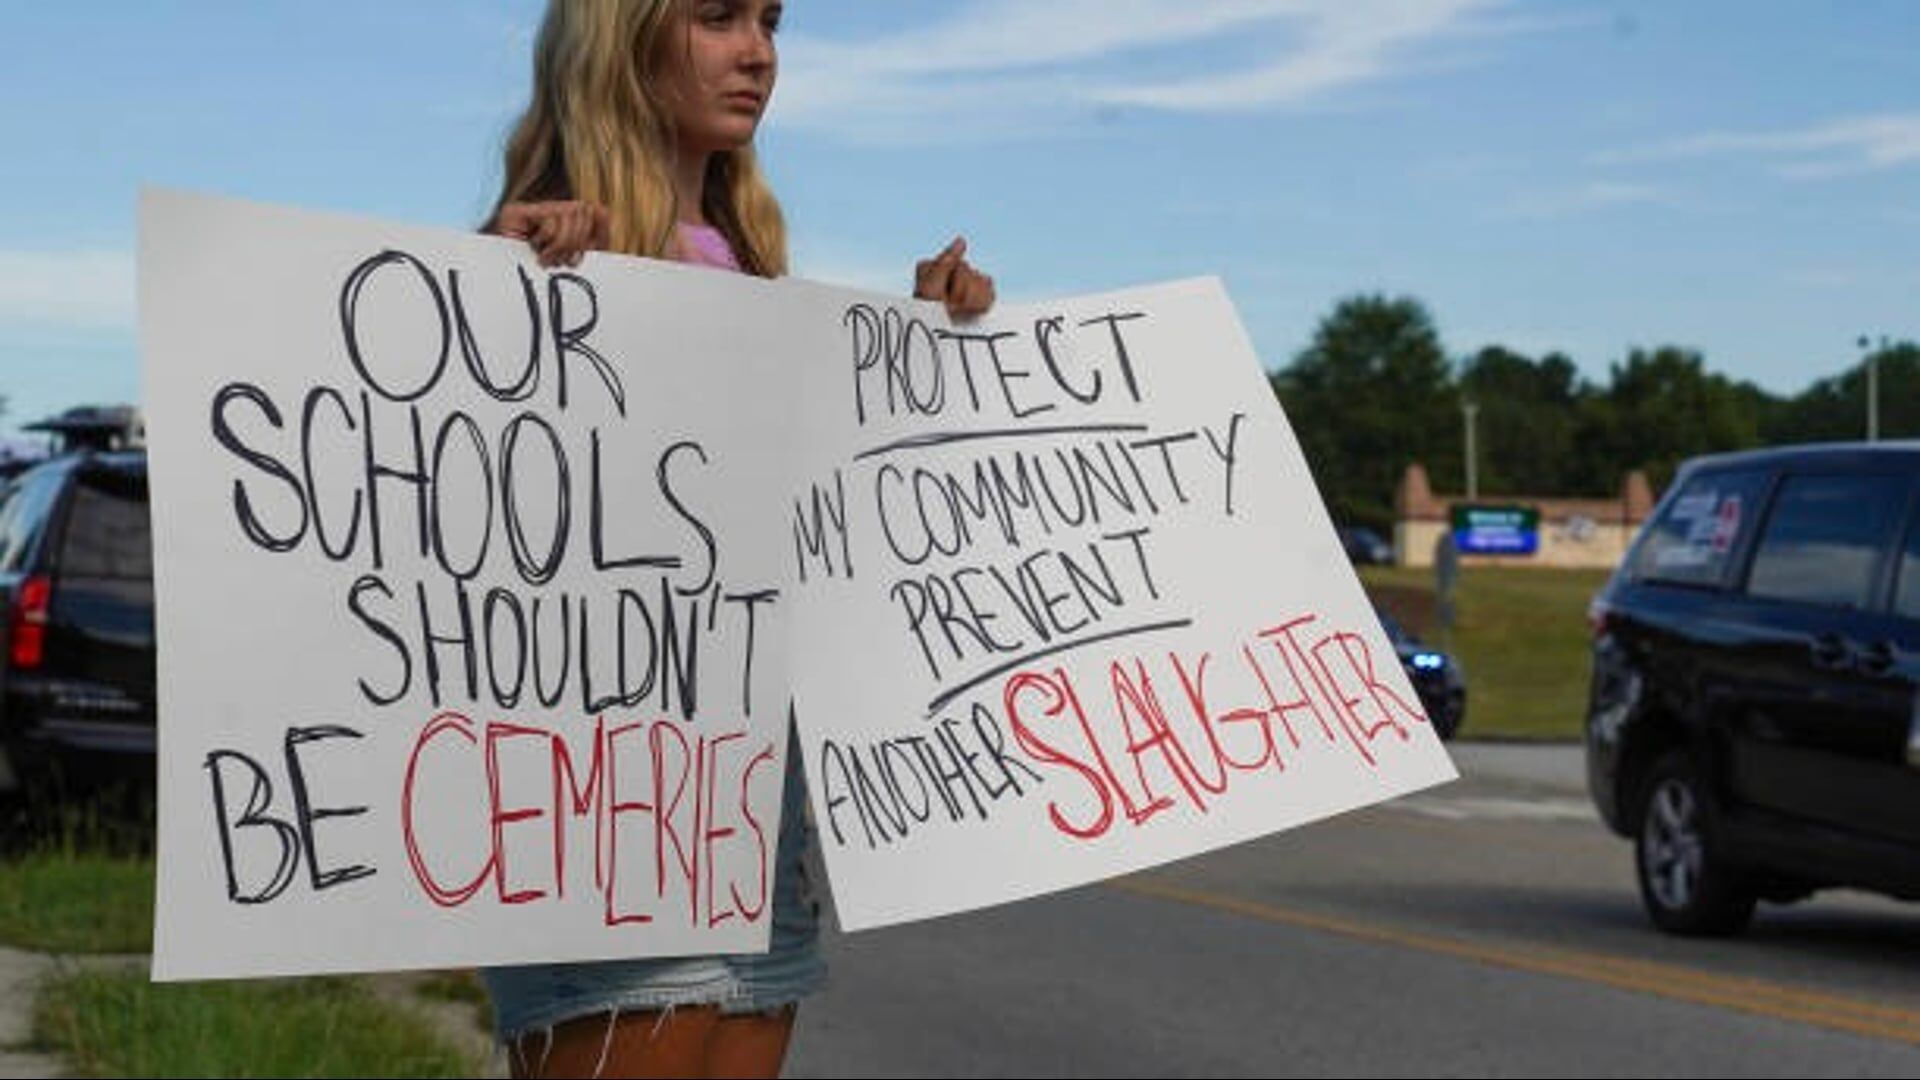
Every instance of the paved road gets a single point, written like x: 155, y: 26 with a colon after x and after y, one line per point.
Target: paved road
x: 1486, y: 928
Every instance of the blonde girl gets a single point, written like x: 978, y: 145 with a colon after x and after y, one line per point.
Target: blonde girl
x: 639, y: 139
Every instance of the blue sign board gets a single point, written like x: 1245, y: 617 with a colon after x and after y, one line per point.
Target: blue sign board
x: 1496, y: 530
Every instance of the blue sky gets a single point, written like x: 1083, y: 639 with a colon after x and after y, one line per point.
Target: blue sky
x: 1735, y: 177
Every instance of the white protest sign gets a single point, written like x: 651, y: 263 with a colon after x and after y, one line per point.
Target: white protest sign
x: 482, y: 590
x: 1069, y: 605
x: 468, y: 624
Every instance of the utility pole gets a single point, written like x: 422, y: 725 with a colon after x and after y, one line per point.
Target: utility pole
x: 1873, y: 385
x: 1468, y: 409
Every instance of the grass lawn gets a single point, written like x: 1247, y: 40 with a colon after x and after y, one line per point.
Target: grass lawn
x: 112, y: 1021
x: 65, y: 899
x: 1520, y: 633
x: 117, y: 1023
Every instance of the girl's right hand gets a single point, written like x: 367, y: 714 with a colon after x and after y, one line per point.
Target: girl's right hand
x: 949, y: 278
x: 560, y: 232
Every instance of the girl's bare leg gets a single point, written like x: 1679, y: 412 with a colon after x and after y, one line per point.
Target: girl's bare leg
x: 649, y: 1043
x: 750, y: 1045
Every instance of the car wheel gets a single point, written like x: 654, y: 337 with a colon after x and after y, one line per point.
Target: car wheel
x: 1686, y: 882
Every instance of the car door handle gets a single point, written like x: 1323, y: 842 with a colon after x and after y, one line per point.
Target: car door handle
x: 1875, y: 659
x: 1829, y: 652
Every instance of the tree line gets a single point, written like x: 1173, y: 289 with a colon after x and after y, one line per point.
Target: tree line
x: 1375, y: 390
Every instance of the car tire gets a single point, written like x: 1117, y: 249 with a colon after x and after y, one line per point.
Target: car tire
x: 1686, y: 881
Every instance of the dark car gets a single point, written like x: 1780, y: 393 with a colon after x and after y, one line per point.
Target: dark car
x: 1754, y: 717
x: 1364, y: 546
x: 76, y: 625
x: 1435, y: 676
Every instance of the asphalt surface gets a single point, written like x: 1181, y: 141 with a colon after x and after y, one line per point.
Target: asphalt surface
x: 1486, y: 928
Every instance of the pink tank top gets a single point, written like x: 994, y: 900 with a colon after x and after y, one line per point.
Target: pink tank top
x: 704, y: 245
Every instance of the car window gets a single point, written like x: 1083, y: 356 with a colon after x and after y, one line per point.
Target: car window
x: 1693, y: 540
x: 108, y: 534
x: 1906, y: 598
x: 22, y: 516
x: 1824, y: 536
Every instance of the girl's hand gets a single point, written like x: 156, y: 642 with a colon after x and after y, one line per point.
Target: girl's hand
x: 560, y: 232
x: 950, y: 279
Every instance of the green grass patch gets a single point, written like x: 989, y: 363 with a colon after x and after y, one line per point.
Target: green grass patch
x: 117, y: 1023
x: 1521, y: 634
x: 68, y: 900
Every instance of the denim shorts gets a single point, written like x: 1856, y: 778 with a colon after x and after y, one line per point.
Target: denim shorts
x: 536, y: 997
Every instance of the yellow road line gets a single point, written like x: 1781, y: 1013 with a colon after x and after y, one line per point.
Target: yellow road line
x: 1749, y: 995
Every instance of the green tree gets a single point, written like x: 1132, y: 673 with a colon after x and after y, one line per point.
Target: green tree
x: 1371, y: 394
x: 1525, y: 427
x: 1660, y: 408
x: 1835, y: 408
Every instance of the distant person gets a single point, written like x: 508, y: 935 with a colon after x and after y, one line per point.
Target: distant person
x: 639, y: 140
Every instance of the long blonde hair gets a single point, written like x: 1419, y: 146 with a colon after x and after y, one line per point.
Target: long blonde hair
x: 595, y: 130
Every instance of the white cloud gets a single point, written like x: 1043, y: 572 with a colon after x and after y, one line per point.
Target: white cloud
x: 1593, y: 195
x: 1342, y: 45
x: 998, y: 68
x: 1848, y: 145
x: 66, y: 290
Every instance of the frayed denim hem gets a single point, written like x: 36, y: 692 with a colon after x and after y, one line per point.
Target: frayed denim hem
x: 515, y: 1045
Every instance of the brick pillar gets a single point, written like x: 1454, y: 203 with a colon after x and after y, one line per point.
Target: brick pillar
x: 1636, y: 498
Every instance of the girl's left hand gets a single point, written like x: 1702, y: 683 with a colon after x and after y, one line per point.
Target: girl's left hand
x: 560, y: 231
x: 950, y: 279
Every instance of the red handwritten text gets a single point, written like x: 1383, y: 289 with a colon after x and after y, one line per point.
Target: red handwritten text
x: 1179, y: 741
x: 664, y: 805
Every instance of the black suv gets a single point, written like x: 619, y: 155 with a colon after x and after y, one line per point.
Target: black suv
x: 76, y: 626
x: 1754, y: 720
